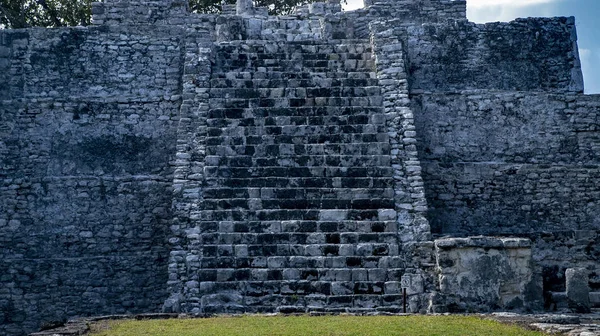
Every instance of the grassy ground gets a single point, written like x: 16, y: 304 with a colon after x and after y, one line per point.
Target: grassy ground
x: 309, y: 326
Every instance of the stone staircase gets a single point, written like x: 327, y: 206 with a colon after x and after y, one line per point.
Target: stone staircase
x: 297, y: 209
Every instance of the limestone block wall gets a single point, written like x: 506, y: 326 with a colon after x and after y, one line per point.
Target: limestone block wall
x: 13, y: 46
x: 87, y: 137
x: 482, y: 164
x: 538, y: 54
x: 486, y: 174
x: 257, y: 163
x: 498, y: 160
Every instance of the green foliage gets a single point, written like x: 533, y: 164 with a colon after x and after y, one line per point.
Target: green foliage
x: 207, y: 6
x: 44, y: 13
x: 58, y: 13
x: 313, y: 326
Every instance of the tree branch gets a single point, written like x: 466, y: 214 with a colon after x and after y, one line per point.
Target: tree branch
x: 50, y: 12
x: 12, y: 21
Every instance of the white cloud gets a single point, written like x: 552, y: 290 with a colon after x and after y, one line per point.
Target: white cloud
x: 511, y: 3
x: 481, y: 11
x: 353, y: 4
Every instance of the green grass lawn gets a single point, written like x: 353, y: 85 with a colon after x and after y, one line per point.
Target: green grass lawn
x: 309, y: 325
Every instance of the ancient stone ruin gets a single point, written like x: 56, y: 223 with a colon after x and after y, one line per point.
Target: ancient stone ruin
x: 322, y: 161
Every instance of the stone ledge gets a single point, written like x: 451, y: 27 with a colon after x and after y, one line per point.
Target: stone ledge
x: 483, y: 242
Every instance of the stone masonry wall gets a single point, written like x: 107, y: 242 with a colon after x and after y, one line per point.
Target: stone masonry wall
x: 258, y: 163
x: 482, y: 164
x: 406, y: 13
x: 87, y: 139
x: 498, y: 160
x: 538, y: 54
x: 410, y: 203
x: 485, y: 174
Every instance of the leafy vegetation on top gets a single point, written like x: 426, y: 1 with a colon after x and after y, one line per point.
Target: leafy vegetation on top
x: 59, y: 13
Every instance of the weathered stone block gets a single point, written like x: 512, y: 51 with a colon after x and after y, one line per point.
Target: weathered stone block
x: 578, y: 290
x: 333, y: 215
x: 486, y: 273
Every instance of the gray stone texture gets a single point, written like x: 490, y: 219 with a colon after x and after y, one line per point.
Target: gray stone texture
x: 535, y: 54
x: 484, y: 273
x: 578, y: 290
x: 88, y: 133
x: 250, y: 163
x: 491, y: 155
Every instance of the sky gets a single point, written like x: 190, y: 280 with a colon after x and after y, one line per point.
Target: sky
x: 587, y: 20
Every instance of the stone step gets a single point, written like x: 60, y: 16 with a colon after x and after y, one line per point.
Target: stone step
x: 291, y: 103
x: 356, y: 148
x: 248, y: 75
x: 283, y: 204
x: 307, y: 46
x: 361, y: 197
x: 310, y: 92
x: 247, y: 127
x: 292, y: 68
x: 328, y: 131
x: 264, y: 289
x: 252, y: 131
x: 369, y: 280
x: 330, y: 163
x: 347, y: 185
x: 283, y: 116
x: 273, y: 50
x: 332, y: 60
x: 302, y: 254
x: 348, y: 231
x: 352, y: 198
x: 310, y: 114
x: 243, y: 55
x: 259, y: 131
x: 281, y: 83
x: 297, y: 172
x: 348, y: 228
x: 300, y: 138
